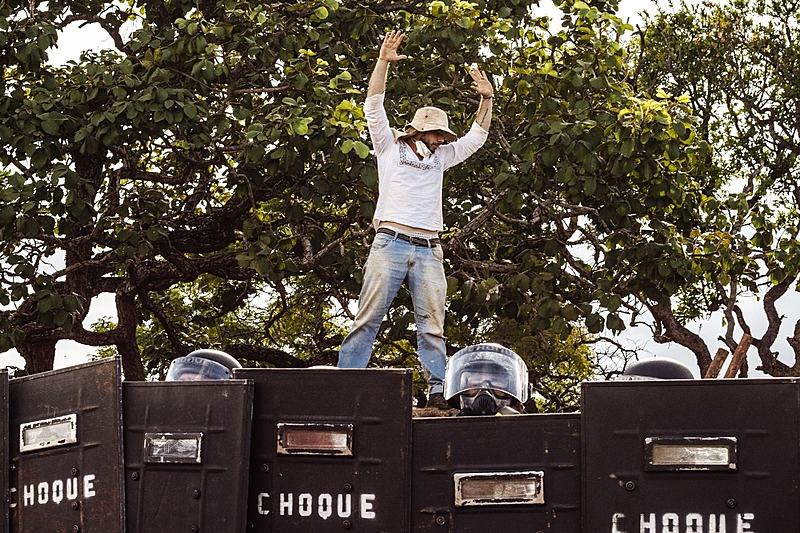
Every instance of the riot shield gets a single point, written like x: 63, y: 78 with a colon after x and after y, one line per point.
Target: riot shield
x: 4, y: 451
x: 66, y: 450
x: 330, y: 450
x: 187, y: 455
x: 509, y: 474
x: 691, y: 456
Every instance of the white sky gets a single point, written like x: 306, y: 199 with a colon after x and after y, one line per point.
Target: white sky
x: 75, y: 40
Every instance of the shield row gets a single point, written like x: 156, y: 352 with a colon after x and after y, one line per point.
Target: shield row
x: 329, y: 450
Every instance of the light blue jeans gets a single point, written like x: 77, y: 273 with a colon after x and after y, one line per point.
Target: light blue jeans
x: 391, y: 261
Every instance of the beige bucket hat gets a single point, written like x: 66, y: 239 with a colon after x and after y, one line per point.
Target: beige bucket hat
x: 428, y: 119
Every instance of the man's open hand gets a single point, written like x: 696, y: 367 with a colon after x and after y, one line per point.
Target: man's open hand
x: 389, y: 47
x: 481, y: 83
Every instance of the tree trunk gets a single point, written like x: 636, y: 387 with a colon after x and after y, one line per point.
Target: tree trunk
x: 39, y: 355
x: 132, y: 366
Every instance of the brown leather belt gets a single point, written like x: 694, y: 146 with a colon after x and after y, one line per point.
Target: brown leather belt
x: 428, y: 243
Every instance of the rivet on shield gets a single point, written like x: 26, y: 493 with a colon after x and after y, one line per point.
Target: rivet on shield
x: 630, y: 485
x: 440, y: 520
x: 346, y: 524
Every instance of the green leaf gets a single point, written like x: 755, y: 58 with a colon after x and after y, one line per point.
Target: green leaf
x: 39, y: 158
x: 44, y: 304
x: 50, y: 127
x: 614, y: 322
x: 152, y: 234
x: 551, y: 156
x: 594, y: 323
x: 7, y: 215
x: 627, y: 147
x: 452, y: 285
x: 362, y: 150
x: 190, y: 111
x: 256, y: 153
x: 300, y: 128
x: 590, y: 186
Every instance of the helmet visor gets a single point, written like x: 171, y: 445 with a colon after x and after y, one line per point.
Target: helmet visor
x: 196, y: 369
x: 503, y: 373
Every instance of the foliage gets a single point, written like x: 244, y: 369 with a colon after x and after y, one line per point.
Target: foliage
x: 219, y: 155
x: 739, y: 62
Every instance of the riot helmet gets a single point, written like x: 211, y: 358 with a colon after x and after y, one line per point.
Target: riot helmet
x: 202, y: 365
x: 656, y: 368
x: 486, y: 379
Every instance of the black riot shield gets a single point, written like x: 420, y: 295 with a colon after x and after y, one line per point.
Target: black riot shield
x: 509, y: 474
x: 4, y: 452
x: 187, y: 454
x: 66, y: 450
x: 330, y: 450
x: 697, y: 456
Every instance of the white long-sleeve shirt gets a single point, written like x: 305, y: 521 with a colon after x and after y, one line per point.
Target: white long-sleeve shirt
x: 410, y: 190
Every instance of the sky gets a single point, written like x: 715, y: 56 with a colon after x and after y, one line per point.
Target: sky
x: 75, y: 40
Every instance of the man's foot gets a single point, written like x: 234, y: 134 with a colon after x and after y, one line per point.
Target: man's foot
x: 437, y: 401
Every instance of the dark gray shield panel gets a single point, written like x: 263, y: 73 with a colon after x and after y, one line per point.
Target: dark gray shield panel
x: 505, y: 474
x: 66, y: 450
x: 4, y: 452
x: 187, y: 455
x: 330, y: 450
x: 691, y: 456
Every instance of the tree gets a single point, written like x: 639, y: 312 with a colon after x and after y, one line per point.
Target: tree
x: 221, y: 148
x: 739, y: 62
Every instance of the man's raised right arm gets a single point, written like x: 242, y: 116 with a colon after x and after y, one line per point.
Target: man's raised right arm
x: 388, y: 54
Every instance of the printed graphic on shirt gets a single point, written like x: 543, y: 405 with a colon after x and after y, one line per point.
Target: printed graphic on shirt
x: 409, y: 158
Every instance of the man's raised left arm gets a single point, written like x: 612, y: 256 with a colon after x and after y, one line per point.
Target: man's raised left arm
x: 458, y: 151
x: 482, y: 86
